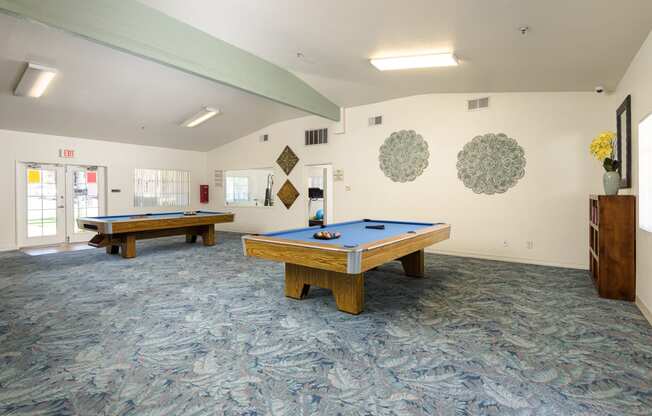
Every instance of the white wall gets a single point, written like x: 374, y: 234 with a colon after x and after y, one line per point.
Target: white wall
x: 638, y: 82
x: 548, y: 206
x: 120, y: 160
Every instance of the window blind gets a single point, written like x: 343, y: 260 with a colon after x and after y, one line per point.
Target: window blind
x: 161, y: 188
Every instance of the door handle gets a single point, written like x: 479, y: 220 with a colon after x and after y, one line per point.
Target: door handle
x: 61, y: 206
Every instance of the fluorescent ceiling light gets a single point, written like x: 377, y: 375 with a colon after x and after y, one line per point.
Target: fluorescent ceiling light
x: 35, y: 80
x: 205, y: 114
x: 412, y: 62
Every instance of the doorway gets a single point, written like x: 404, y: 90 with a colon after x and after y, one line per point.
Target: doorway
x: 50, y: 198
x: 320, y: 194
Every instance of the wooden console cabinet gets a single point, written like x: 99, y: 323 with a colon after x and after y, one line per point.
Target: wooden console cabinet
x: 612, y: 245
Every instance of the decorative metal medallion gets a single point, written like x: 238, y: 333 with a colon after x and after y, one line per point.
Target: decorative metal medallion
x: 287, y: 160
x: 491, y: 164
x: 288, y: 194
x: 404, y: 156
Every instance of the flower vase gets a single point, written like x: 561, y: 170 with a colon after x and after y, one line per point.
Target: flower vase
x: 611, y: 182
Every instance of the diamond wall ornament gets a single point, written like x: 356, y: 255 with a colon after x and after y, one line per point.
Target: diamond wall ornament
x: 288, y: 194
x: 287, y: 160
x: 491, y: 164
x: 404, y: 156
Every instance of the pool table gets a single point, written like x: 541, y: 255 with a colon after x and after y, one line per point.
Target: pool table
x: 120, y: 232
x: 339, y: 264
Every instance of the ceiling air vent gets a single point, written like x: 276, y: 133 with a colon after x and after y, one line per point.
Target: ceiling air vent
x: 375, y: 121
x: 319, y: 136
x: 478, y: 104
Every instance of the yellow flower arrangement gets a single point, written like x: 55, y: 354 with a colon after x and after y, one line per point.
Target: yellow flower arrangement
x: 602, y: 148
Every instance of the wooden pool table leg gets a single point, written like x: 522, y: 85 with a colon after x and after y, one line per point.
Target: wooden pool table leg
x: 128, y: 246
x: 414, y: 264
x: 348, y: 289
x: 208, y: 235
x: 112, y: 249
x: 191, y: 238
x: 295, y: 287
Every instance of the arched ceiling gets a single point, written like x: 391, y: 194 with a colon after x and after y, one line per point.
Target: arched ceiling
x: 572, y: 45
x: 102, y: 93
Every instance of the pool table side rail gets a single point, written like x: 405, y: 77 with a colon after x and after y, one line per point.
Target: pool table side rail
x: 317, y: 227
x: 380, y: 252
x: 320, y: 256
x: 405, y: 236
x: 342, y: 259
x: 153, y: 223
x: 151, y: 215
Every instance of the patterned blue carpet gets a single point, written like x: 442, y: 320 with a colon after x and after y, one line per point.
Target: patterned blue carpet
x: 192, y: 330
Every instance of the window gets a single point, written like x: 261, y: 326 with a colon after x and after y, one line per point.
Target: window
x: 161, y: 188
x: 237, y: 189
x: 645, y: 173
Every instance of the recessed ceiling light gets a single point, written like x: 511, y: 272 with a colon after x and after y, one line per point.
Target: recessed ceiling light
x: 205, y: 114
x: 35, y: 80
x: 413, y: 62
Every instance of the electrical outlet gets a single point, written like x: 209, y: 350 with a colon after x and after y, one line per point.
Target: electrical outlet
x: 529, y: 244
x: 347, y: 188
x: 505, y: 243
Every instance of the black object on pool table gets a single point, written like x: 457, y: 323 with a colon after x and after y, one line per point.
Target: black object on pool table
x: 376, y: 227
x: 326, y: 235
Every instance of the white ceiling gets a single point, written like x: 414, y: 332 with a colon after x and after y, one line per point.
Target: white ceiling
x: 573, y: 45
x: 106, y: 94
x: 101, y: 93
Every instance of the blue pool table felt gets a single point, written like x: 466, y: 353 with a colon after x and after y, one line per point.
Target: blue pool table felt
x: 154, y: 216
x: 353, y: 233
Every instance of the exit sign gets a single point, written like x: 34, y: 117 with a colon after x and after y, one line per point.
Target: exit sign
x: 66, y: 153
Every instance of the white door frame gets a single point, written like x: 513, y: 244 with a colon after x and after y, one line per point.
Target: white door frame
x: 21, y: 205
x: 65, y: 228
x: 328, y: 190
x: 71, y: 235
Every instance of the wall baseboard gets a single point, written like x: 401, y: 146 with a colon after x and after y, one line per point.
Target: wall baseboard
x: 507, y: 259
x: 647, y: 313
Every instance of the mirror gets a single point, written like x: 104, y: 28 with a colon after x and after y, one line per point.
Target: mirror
x: 249, y: 188
x: 623, y: 150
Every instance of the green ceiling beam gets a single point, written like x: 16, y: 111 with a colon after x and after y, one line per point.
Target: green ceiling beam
x: 132, y: 27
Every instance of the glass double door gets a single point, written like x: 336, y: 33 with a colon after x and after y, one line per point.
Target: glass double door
x: 52, y: 197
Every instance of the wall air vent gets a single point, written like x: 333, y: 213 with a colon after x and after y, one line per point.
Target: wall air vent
x: 375, y: 121
x: 319, y: 136
x: 478, y: 104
